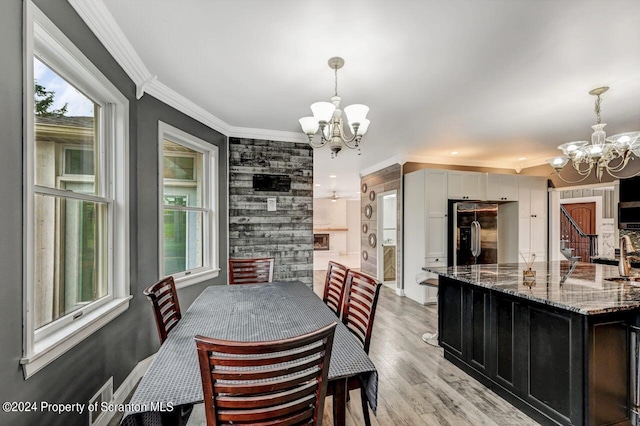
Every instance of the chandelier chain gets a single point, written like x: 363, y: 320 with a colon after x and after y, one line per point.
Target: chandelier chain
x: 335, y: 70
x: 597, y: 109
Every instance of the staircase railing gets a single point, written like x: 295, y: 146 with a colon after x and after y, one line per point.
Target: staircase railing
x: 583, y: 245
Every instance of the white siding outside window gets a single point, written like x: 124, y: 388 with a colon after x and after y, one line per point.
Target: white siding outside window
x: 188, y: 215
x: 76, y: 196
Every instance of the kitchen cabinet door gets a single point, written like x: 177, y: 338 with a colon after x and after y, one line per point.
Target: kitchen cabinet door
x: 425, y: 229
x: 467, y: 185
x: 436, y: 204
x: 414, y: 234
x: 476, y: 332
x: 450, y: 320
x: 502, y: 187
x: 533, y: 221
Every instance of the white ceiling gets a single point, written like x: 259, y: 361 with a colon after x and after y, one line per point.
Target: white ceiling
x: 494, y: 80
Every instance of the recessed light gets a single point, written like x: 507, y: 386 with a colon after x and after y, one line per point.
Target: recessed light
x: 454, y: 152
x: 332, y: 176
x: 357, y: 192
x: 317, y: 184
x: 522, y: 158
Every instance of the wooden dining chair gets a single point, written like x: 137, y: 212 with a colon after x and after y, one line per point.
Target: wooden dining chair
x: 281, y: 382
x: 358, y: 311
x: 251, y: 271
x: 334, y: 285
x: 166, y: 308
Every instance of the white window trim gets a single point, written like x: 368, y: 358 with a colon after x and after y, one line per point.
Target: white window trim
x: 37, y: 353
x: 210, y: 167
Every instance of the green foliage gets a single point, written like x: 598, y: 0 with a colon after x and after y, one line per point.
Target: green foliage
x: 44, y: 100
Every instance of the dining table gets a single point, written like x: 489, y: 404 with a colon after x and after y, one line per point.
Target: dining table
x: 250, y: 313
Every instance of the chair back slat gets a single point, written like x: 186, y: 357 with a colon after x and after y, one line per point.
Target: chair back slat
x: 166, y: 308
x: 334, y: 286
x: 288, y: 356
x: 283, y: 397
x: 251, y: 271
x: 280, y: 382
x: 283, y: 369
x: 359, y: 305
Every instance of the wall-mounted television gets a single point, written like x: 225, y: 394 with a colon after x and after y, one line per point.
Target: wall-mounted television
x: 273, y: 183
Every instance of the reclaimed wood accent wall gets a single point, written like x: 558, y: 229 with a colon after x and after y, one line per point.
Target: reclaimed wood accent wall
x: 384, y: 180
x: 285, y: 234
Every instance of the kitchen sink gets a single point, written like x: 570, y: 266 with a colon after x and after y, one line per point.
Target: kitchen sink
x: 630, y: 280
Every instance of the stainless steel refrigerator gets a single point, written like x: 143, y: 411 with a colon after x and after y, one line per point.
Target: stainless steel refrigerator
x: 475, y: 233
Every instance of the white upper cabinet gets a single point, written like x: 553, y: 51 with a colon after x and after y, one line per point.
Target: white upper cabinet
x: 467, y: 185
x: 502, y: 187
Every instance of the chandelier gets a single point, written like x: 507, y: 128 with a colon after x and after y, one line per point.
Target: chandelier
x: 327, y: 116
x: 610, y: 154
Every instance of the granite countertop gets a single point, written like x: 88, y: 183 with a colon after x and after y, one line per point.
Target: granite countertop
x: 577, y: 287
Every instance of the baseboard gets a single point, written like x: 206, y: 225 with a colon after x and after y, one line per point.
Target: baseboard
x: 120, y: 395
x: 400, y: 292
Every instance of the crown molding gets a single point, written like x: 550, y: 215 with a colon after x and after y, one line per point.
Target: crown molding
x: 98, y: 18
x: 266, y: 134
x: 169, y: 96
x: 396, y: 159
x: 530, y: 163
x: 475, y: 163
x: 100, y: 21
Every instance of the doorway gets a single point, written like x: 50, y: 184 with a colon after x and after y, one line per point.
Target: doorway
x: 387, y: 246
x: 584, y: 218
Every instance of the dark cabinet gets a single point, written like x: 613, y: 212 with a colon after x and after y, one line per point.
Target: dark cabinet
x: 465, y: 311
x: 557, y: 365
x: 476, y: 320
x: 508, y: 357
x: 450, y: 308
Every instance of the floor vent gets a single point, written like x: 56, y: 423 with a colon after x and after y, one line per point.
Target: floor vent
x: 105, y: 394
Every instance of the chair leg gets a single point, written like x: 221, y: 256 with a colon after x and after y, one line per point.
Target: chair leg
x: 365, y: 407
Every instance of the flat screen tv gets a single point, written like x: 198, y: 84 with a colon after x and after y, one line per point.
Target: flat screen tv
x: 272, y: 183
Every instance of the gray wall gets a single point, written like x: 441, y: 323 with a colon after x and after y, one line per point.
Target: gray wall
x: 116, y: 348
x: 286, y: 234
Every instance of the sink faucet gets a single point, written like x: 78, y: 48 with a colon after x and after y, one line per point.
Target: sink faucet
x: 626, y: 247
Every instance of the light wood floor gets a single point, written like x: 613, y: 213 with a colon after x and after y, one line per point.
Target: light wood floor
x: 417, y: 386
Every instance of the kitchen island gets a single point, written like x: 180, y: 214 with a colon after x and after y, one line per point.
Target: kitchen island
x: 556, y: 346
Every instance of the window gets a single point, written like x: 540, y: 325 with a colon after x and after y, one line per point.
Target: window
x: 188, y: 214
x: 76, y: 196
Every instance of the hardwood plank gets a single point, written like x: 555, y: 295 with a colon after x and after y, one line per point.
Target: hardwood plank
x: 417, y: 386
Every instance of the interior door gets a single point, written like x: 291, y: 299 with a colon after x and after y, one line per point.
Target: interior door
x: 584, y: 214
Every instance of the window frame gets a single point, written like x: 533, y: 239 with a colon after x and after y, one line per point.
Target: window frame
x: 211, y: 242
x: 45, y: 41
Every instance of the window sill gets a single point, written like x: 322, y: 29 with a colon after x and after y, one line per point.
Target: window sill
x: 196, y: 278
x: 53, y: 346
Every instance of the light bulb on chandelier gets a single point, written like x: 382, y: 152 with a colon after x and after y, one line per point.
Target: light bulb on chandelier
x: 327, y: 117
x: 601, y: 154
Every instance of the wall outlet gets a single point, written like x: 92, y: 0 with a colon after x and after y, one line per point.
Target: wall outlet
x: 271, y: 204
